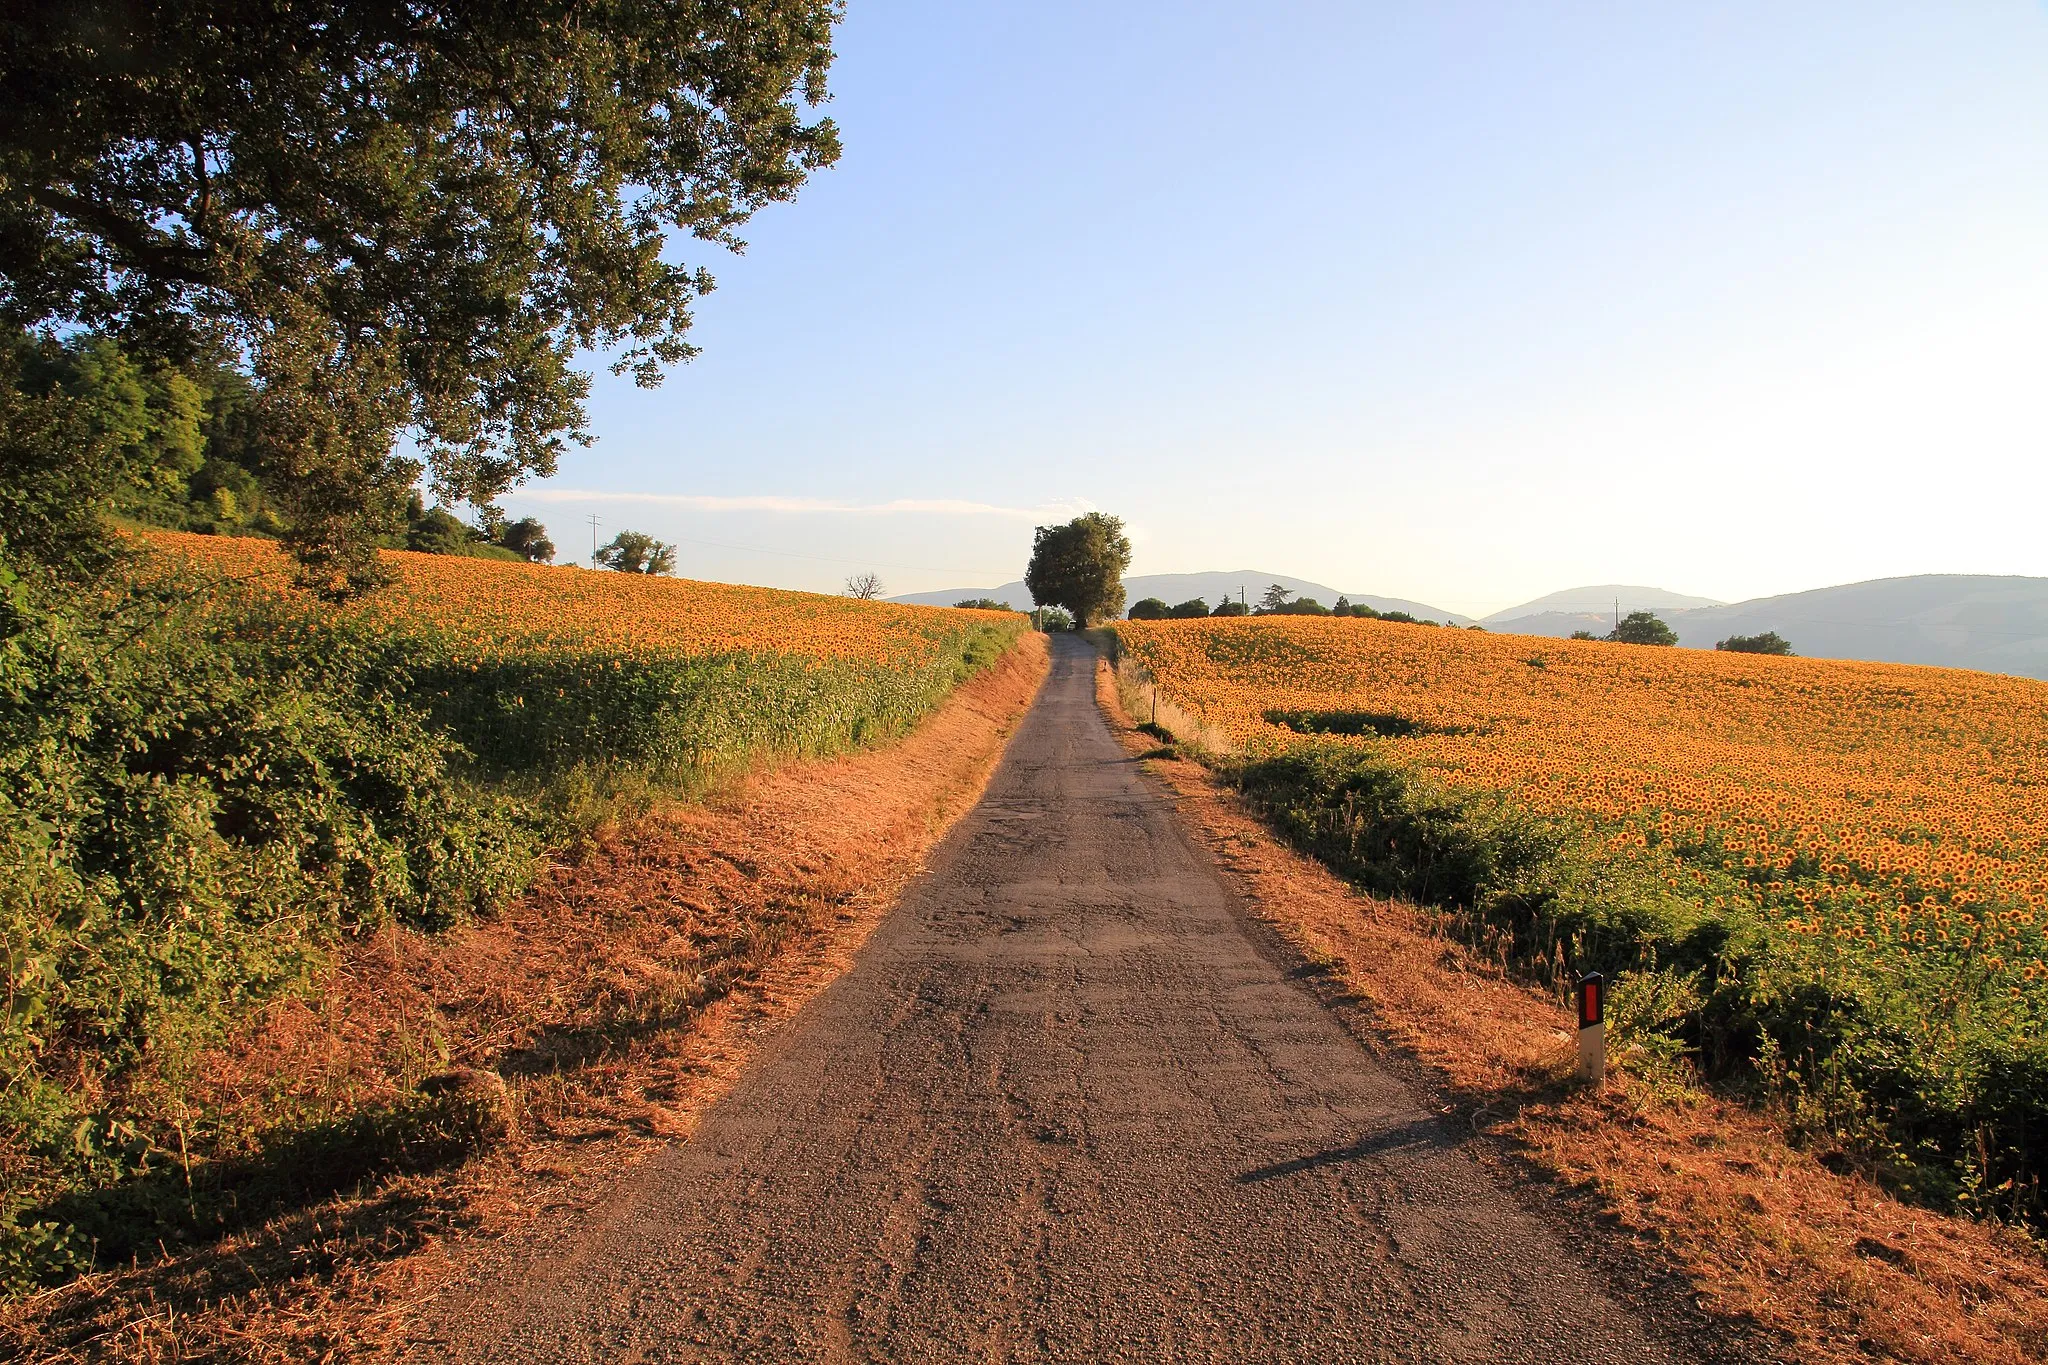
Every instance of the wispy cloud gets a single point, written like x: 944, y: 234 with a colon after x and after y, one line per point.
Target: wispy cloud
x: 697, y: 502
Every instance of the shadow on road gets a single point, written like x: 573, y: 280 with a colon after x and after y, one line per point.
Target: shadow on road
x: 1428, y: 1132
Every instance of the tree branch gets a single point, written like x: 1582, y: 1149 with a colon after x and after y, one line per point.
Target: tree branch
x: 184, y: 264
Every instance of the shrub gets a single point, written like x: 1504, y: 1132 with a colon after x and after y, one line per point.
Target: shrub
x: 1149, y: 609
x: 1230, y: 608
x: 1769, y: 642
x: 203, y: 788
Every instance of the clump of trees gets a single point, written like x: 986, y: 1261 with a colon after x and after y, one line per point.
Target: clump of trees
x: 1189, y: 610
x: 1080, y: 566
x: 1769, y: 642
x: 1150, y: 609
x: 637, y: 552
x: 984, y: 604
x: 437, y: 531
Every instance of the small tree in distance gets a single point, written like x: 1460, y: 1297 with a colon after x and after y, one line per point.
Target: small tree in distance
x: 1230, y: 608
x: 1080, y: 566
x: 1643, y: 628
x: 1770, y: 642
x: 984, y: 604
x: 637, y: 552
x: 1150, y: 609
x: 1275, y: 598
x: 1583, y: 635
x: 1192, y: 609
x: 528, y: 539
x: 867, y: 587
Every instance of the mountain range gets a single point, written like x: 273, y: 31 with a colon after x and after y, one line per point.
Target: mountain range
x: 1996, y: 623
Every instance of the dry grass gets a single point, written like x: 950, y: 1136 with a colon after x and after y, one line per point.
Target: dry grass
x: 619, y: 1000
x: 1767, y: 1235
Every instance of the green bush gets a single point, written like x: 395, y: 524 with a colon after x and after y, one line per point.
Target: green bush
x: 200, y: 789
x: 1769, y: 642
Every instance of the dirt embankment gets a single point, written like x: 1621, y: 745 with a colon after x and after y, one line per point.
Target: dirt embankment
x: 617, y: 1001
x: 1767, y: 1235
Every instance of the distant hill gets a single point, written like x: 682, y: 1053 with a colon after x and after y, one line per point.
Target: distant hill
x: 1212, y: 588
x: 1997, y: 624
x: 1561, y: 613
x: 1982, y: 621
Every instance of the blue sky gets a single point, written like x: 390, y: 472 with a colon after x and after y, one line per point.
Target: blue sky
x: 1458, y: 302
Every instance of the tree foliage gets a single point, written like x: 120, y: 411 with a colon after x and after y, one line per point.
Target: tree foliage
x: 1643, y: 628
x: 1150, y: 609
x: 1274, y: 598
x: 637, y: 552
x: 1192, y: 609
x: 985, y: 604
x: 528, y: 539
x: 399, y: 219
x: 1769, y: 642
x: 1080, y: 566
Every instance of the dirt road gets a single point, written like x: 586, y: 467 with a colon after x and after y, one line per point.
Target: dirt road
x: 1063, y: 1108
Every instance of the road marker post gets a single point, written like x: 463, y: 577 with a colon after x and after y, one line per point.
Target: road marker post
x: 1592, y: 1027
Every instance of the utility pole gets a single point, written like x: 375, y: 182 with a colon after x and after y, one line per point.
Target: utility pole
x: 1617, y: 616
x: 593, y: 540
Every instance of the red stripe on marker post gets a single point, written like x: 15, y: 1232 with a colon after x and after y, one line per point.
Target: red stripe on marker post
x: 1592, y: 1027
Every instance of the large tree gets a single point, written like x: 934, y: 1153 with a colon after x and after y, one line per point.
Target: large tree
x: 403, y: 220
x: 1080, y: 566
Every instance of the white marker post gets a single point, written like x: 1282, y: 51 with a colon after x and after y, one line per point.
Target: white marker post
x: 1592, y: 1027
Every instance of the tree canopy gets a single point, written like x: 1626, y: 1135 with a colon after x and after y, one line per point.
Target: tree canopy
x: 396, y: 220
x: 1150, y: 609
x: 1643, y: 628
x: 1080, y: 566
x: 1769, y: 642
x: 637, y: 552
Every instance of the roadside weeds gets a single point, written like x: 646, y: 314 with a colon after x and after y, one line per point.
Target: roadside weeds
x: 617, y: 1001
x: 1768, y: 1237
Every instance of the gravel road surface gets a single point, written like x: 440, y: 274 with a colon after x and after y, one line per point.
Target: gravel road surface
x: 1064, y: 1107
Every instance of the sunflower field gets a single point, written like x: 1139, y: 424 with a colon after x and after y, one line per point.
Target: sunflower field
x: 537, y: 670
x: 1822, y: 880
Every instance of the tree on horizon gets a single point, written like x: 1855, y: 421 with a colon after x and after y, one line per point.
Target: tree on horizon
x: 637, y: 552
x: 1080, y: 566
